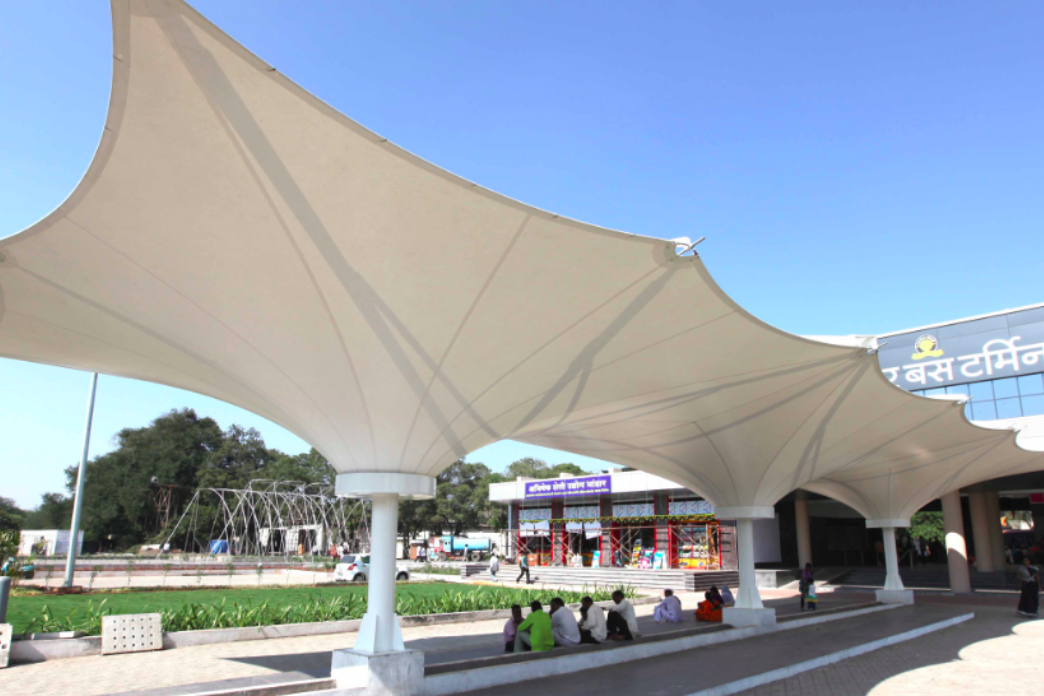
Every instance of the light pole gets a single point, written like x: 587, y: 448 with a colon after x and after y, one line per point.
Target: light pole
x: 74, y: 533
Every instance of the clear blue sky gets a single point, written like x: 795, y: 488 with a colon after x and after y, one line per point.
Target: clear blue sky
x: 856, y: 168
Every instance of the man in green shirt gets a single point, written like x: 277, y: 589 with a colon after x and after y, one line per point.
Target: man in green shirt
x: 535, y: 631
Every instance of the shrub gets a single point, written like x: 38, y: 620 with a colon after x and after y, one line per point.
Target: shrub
x: 196, y: 616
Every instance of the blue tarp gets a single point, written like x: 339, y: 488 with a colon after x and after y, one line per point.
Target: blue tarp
x: 218, y: 546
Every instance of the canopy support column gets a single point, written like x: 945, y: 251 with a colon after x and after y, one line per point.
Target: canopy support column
x: 804, y: 535
x: 956, y: 551
x: 980, y: 519
x: 379, y: 660
x: 894, y: 592
x: 749, y: 611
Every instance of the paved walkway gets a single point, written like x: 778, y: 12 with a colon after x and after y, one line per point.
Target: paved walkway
x: 995, y: 653
x: 684, y: 673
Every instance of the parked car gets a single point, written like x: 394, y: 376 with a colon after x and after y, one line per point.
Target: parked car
x: 356, y: 568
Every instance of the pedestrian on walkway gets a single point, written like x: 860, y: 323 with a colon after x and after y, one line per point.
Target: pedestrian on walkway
x: 523, y: 568
x: 805, y: 582
x: 494, y: 566
x: 1029, y: 583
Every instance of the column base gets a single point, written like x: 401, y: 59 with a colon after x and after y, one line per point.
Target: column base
x: 895, y: 596
x: 6, y: 634
x: 759, y: 618
x: 366, y: 639
x: 398, y: 673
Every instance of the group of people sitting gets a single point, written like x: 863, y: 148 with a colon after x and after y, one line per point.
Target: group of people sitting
x: 713, y: 602
x: 541, y: 631
x: 558, y: 627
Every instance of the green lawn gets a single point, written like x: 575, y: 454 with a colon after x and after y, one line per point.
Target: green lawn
x: 237, y: 607
x: 22, y: 610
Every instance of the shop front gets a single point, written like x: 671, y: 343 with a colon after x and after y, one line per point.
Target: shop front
x: 614, y: 520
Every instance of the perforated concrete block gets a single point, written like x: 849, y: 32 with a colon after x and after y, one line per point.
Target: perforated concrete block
x: 131, y: 633
x: 5, y: 644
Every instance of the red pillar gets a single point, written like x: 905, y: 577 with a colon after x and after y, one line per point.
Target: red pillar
x: 605, y: 504
x: 558, y: 556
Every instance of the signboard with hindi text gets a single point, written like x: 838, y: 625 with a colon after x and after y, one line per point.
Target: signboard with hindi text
x: 567, y: 487
x: 1006, y: 345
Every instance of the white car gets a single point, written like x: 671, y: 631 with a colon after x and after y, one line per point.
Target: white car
x: 356, y: 568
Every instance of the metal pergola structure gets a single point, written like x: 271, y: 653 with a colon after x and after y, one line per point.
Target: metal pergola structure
x: 272, y: 518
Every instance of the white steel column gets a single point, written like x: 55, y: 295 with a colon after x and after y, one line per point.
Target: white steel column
x: 804, y: 536
x: 380, y: 628
x: 956, y: 551
x: 892, y: 579
x: 748, y: 596
x: 379, y: 662
x: 749, y: 611
x: 893, y: 591
x: 980, y: 520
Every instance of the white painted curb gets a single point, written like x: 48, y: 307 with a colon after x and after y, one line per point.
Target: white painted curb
x: 786, y: 672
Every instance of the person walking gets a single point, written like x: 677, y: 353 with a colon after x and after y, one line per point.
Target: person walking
x: 1029, y: 583
x: 494, y: 566
x: 523, y: 568
x: 804, y: 583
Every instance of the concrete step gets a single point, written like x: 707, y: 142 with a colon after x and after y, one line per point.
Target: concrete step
x: 674, y: 579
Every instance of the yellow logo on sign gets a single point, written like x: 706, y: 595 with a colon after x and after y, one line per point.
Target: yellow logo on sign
x: 927, y: 346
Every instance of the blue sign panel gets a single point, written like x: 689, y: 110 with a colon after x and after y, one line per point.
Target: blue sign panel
x: 974, y: 351
x: 567, y: 487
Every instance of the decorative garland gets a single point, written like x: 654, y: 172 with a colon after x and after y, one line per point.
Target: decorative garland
x: 647, y: 518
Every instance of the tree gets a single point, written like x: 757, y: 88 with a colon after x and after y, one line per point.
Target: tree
x: 529, y: 467
x: 310, y: 467
x: 415, y: 516
x: 927, y: 526
x: 461, y: 496
x: 11, y: 516
x: 53, y: 512
x: 118, y: 509
x: 240, y: 457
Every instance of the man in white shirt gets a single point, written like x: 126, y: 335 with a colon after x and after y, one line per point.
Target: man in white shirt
x: 563, y: 624
x: 592, y: 624
x: 670, y: 609
x: 622, y: 621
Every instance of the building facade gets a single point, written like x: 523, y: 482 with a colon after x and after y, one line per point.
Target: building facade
x: 620, y: 519
x: 996, y: 361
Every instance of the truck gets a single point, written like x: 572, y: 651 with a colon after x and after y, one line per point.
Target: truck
x: 449, y: 546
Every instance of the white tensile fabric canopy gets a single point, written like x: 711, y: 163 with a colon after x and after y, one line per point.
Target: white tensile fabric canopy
x: 236, y: 237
